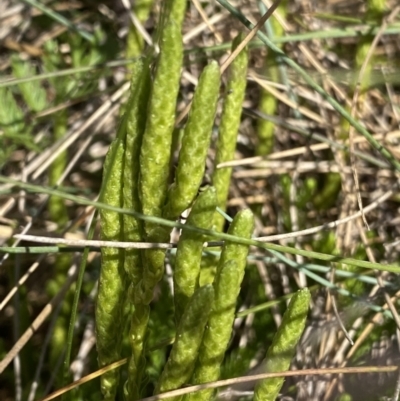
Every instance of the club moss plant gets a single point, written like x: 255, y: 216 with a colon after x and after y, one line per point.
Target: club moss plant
x: 137, y: 176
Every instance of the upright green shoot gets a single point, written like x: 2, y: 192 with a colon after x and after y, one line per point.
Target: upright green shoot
x: 135, y: 117
x: 195, y: 143
x: 227, y: 282
x: 112, y: 282
x: 189, y: 252
x: 155, y: 152
x: 229, y: 127
x: 283, y: 347
x: 180, y: 364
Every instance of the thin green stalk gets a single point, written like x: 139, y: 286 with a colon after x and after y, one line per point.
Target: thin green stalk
x: 210, y: 233
x: 59, y: 215
x: 74, y: 310
x: 36, y: 98
x: 60, y: 19
x: 57, y: 207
